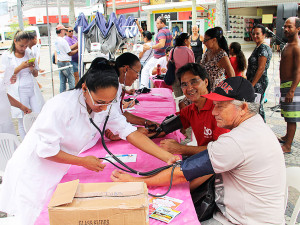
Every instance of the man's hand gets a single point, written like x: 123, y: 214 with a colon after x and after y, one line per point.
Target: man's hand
x: 25, y: 109
x: 289, y: 96
x: 171, y: 146
x: 111, y: 136
x: 146, y: 47
x: 92, y: 163
x: 121, y: 176
x: 173, y: 159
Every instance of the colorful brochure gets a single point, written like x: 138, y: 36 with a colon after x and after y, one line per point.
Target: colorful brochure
x: 164, y: 214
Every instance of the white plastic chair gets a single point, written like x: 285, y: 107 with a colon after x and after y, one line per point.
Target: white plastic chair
x: 193, y: 141
x: 293, y: 180
x: 28, y: 120
x: 8, y: 144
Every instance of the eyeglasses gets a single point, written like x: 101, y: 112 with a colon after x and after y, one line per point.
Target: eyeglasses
x: 102, y: 104
x: 70, y: 31
x: 193, y: 82
x: 133, y: 69
x: 206, y: 40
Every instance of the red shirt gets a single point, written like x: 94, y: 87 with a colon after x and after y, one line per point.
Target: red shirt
x: 234, y: 64
x: 203, y: 123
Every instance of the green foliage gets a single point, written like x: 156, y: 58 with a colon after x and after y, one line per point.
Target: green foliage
x: 15, y: 26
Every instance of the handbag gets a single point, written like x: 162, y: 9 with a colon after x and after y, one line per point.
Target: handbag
x: 204, y: 199
x: 170, y: 74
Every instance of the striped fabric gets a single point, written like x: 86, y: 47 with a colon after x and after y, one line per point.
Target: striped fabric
x: 290, y: 111
x: 163, y: 33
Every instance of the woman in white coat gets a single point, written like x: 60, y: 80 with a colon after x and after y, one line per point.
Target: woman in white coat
x: 22, y: 72
x: 60, y: 133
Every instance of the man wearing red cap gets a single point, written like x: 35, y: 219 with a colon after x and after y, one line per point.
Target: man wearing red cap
x: 64, y: 53
x: 247, y: 162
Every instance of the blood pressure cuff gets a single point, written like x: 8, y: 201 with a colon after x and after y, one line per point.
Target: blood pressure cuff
x: 197, y: 166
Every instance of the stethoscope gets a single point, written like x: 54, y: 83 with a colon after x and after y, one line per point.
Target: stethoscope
x: 129, y: 169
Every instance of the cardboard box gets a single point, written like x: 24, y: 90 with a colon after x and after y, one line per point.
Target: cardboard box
x: 99, y: 204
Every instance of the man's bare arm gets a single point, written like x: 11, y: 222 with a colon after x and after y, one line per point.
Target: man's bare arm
x: 174, y: 147
x: 161, y: 179
x: 296, y: 74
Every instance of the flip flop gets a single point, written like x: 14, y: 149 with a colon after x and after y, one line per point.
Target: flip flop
x: 288, y: 152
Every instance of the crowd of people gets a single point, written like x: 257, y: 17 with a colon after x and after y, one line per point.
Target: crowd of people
x: 225, y: 112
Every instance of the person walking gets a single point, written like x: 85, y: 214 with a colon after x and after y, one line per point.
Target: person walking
x: 163, y: 40
x: 289, y: 82
x: 64, y: 53
x: 196, y: 43
x: 258, y: 64
x: 21, y: 71
x: 73, y: 43
x: 215, y: 60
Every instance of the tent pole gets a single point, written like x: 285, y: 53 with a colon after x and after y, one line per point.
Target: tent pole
x: 49, y: 43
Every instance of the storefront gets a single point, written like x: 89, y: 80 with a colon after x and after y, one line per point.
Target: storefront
x: 180, y: 20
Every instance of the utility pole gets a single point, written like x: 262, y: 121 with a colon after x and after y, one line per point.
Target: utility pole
x: 20, y: 14
x: 114, y: 5
x: 59, y: 12
x: 71, y: 13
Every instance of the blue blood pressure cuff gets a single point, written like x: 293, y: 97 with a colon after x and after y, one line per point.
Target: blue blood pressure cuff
x: 197, y: 166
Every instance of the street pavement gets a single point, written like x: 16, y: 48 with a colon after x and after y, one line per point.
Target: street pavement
x: 273, y: 118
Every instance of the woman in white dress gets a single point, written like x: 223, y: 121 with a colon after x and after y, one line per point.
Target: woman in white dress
x: 60, y: 133
x: 22, y: 68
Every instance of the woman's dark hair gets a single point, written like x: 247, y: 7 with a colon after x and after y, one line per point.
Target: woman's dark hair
x: 263, y: 29
x: 217, y: 32
x: 19, y: 35
x: 101, y: 74
x: 32, y: 35
x: 240, y: 57
x: 181, y: 38
x: 148, y: 35
x: 126, y: 58
x: 196, y: 69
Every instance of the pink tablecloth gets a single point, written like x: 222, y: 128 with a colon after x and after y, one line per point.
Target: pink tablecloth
x: 155, y: 108
x: 157, y: 83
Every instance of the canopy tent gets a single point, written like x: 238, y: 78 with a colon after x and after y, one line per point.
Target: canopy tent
x: 110, y: 34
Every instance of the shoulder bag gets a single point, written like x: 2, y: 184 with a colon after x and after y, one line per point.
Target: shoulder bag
x: 204, y: 199
x: 170, y: 74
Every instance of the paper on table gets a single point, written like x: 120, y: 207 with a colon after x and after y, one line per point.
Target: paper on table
x: 123, y: 158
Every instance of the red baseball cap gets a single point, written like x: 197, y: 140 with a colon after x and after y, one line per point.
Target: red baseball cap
x: 61, y: 27
x: 233, y: 88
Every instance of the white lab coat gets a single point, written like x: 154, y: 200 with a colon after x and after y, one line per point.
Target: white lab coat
x: 9, y: 61
x: 63, y: 124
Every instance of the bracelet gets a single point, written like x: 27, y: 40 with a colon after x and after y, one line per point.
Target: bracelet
x: 140, y: 30
x: 151, y: 47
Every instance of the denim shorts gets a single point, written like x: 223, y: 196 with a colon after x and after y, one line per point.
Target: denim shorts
x: 75, y: 66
